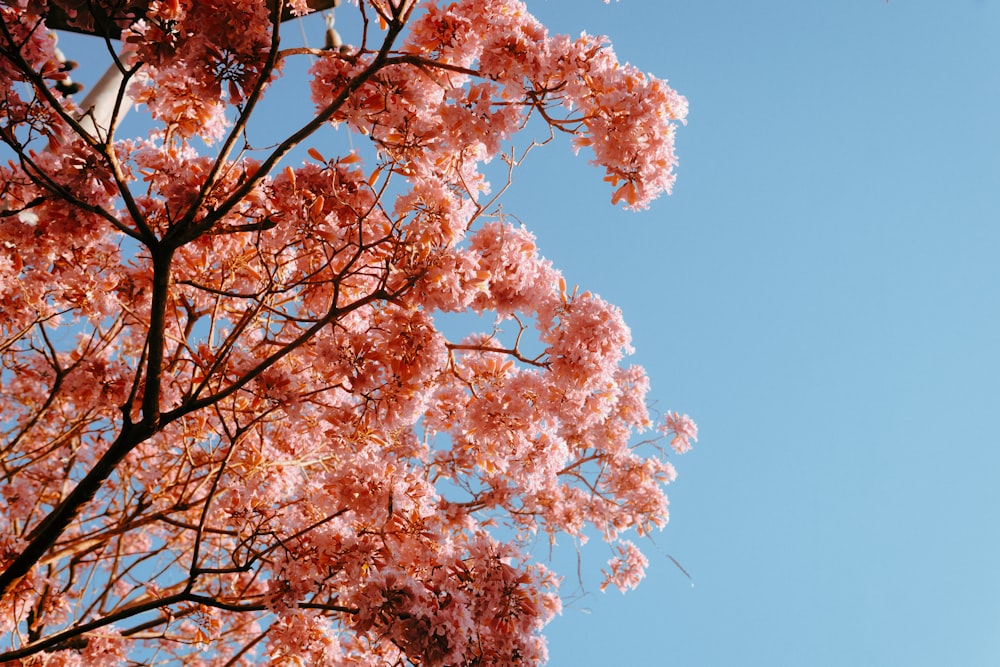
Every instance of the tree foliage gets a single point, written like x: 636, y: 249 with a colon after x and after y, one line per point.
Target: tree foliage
x: 232, y: 425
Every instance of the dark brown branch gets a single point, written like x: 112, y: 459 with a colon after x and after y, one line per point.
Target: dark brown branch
x: 102, y: 148
x: 156, y: 338
x: 500, y: 350
x: 183, y: 234
x: 48, y: 531
x: 240, y: 125
x: 60, y: 638
x: 333, y: 314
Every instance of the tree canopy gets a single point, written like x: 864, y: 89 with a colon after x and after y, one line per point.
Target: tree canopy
x: 233, y: 427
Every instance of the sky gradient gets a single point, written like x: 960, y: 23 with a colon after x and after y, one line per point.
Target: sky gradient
x: 821, y: 294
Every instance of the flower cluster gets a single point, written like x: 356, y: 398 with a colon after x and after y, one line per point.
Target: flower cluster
x: 298, y: 453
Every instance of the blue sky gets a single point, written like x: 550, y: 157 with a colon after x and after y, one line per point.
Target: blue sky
x: 821, y: 294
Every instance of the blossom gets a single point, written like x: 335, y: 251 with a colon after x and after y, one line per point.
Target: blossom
x: 296, y: 400
x: 683, y: 428
x: 626, y: 568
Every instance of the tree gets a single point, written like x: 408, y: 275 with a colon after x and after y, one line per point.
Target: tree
x: 232, y: 424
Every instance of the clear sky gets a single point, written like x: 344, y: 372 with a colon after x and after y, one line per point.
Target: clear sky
x: 822, y: 294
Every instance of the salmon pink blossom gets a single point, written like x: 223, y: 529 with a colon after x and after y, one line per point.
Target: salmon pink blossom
x: 309, y: 407
x: 683, y: 428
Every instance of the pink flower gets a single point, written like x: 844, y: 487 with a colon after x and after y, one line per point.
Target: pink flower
x: 628, y: 567
x: 365, y: 366
x: 683, y: 428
